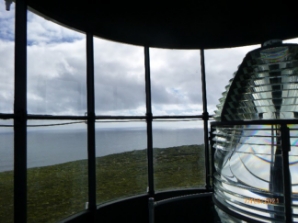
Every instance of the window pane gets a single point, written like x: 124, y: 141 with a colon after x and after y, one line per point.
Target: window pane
x: 6, y: 171
x: 211, y: 152
x: 293, y: 162
x: 248, y: 161
x: 56, y: 69
x: 121, y: 163
x: 6, y: 59
x: 57, y: 170
x: 179, y: 155
x: 119, y: 78
x: 220, y: 65
x: 175, y: 82
x: 291, y: 41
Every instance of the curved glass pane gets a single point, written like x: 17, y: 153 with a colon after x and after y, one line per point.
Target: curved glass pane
x: 57, y: 178
x: 264, y: 87
x: 175, y: 82
x: 56, y: 68
x: 7, y: 59
x: 248, y: 177
x: 179, y: 154
x: 119, y: 78
x: 6, y: 171
x: 295, y: 40
x: 293, y: 161
x: 220, y: 65
x: 249, y: 158
x: 121, y: 163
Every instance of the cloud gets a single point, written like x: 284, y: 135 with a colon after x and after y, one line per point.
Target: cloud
x: 57, y: 73
x: 175, y: 82
x: 119, y: 78
x: 41, y: 31
x: 57, y: 78
x: 6, y: 76
x: 6, y: 23
x: 6, y: 59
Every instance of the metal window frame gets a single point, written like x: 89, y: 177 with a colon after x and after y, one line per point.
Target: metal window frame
x: 20, y: 118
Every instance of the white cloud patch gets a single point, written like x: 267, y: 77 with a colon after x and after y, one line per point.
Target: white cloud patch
x: 119, y: 78
x: 6, y: 22
x: 6, y: 59
x: 175, y: 82
x: 56, y: 69
x: 41, y: 31
x: 6, y: 76
x: 57, y: 78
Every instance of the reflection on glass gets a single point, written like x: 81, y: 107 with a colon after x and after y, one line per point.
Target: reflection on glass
x: 293, y: 160
x: 248, y: 163
x: 57, y: 169
x: 121, y: 163
x: 7, y: 59
x: 211, y: 157
x: 6, y: 171
x: 119, y: 78
x: 179, y: 154
x: 56, y: 69
x: 220, y: 64
x: 175, y: 82
x: 265, y: 86
x: 291, y: 40
x: 248, y: 158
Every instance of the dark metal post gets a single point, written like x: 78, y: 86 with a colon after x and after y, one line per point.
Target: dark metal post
x: 20, y: 110
x: 149, y: 124
x: 151, y: 209
x: 287, y: 186
x: 205, y: 119
x: 91, y: 125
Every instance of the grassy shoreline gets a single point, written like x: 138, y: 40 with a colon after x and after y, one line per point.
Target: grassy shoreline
x: 57, y: 191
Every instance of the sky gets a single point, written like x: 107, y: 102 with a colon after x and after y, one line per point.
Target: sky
x: 56, y: 69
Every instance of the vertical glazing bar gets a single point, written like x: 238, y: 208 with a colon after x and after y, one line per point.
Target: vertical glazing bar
x: 287, y: 186
x: 205, y: 118
x: 149, y: 123
x: 20, y: 110
x: 91, y: 124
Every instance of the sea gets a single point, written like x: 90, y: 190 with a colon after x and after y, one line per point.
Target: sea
x: 49, y: 147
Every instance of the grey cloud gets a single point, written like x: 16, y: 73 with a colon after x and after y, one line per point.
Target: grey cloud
x: 57, y: 96
x: 57, y: 79
x: 115, y: 90
x: 6, y: 23
x: 176, y: 81
x: 41, y: 31
x: 57, y: 74
x: 7, y: 76
x: 119, y: 78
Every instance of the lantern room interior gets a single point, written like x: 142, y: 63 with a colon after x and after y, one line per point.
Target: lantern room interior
x: 117, y: 111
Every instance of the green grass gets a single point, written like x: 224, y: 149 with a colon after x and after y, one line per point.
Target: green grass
x: 179, y: 167
x: 58, y: 191
x: 6, y: 196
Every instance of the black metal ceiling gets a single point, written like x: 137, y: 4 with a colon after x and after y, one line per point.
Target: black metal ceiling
x: 200, y: 24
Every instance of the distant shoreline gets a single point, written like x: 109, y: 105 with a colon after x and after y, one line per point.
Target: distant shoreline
x: 49, y: 148
x: 61, y: 190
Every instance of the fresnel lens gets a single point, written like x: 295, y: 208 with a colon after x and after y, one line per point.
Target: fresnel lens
x: 255, y: 139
